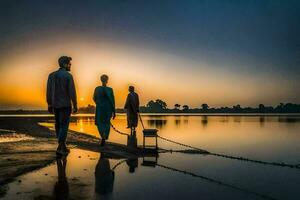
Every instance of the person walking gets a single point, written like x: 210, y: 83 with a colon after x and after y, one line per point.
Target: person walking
x: 105, y: 108
x: 61, y: 96
x: 132, y: 107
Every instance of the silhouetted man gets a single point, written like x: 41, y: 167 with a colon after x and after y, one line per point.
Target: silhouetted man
x: 132, y: 106
x: 61, y: 94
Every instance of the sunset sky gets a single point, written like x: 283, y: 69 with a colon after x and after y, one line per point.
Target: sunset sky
x: 188, y: 52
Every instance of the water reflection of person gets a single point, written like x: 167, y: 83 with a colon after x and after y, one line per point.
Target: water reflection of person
x: 262, y: 120
x: 61, y: 188
x: 132, y: 164
x: 177, y: 121
x: 104, y: 177
x: 204, y: 121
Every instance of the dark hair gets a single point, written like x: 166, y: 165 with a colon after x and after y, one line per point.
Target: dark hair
x: 64, y: 60
x: 131, y: 88
x: 104, y: 78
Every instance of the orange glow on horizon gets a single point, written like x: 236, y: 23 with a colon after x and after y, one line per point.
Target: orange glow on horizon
x: 154, y: 74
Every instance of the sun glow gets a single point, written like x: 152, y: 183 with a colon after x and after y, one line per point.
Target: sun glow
x: 154, y: 74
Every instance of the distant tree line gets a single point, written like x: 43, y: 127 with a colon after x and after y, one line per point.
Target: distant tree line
x: 159, y: 106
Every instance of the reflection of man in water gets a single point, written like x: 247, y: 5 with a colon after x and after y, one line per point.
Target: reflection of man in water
x: 61, y: 188
x: 132, y: 164
x: 132, y: 106
x: 104, y: 176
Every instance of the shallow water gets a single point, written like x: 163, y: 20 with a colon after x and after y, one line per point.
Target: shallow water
x: 275, y: 138
x: 175, y: 175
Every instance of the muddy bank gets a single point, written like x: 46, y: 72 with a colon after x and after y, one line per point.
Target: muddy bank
x: 31, y: 126
x: 71, y: 177
x: 17, y: 158
x: 23, y: 156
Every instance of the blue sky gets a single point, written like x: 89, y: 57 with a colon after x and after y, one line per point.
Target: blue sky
x: 255, y: 38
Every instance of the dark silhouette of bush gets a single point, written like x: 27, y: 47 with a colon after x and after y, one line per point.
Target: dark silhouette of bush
x: 185, y: 107
x: 177, y: 106
x: 204, y: 107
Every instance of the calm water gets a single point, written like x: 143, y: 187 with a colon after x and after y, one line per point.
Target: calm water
x: 274, y: 139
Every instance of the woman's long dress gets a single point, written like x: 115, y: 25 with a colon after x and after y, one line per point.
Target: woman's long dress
x: 105, y: 106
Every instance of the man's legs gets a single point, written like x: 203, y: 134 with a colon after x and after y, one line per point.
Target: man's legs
x: 63, y: 119
x: 57, y: 114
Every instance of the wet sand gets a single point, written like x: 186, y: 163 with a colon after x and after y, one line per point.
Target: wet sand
x: 62, y: 179
x: 23, y: 156
x: 17, y: 158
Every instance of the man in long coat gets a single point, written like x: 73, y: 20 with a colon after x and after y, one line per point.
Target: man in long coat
x: 132, y: 106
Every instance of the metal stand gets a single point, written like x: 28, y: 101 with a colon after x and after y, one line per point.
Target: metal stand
x: 151, y: 133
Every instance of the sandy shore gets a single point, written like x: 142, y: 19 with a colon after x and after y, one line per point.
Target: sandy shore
x: 38, y: 151
x: 23, y: 156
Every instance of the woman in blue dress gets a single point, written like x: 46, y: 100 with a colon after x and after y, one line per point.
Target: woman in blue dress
x: 105, y: 108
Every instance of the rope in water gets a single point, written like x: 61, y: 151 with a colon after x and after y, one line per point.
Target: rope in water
x: 281, y: 164
x: 181, y: 144
x: 215, y: 181
x: 203, y: 177
x: 119, y: 163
